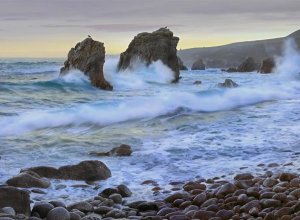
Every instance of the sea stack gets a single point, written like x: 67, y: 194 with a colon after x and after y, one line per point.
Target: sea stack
x: 248, y: 65
x: 267, y: 65
x: 88, y: 56
x: 198, y: 65
x: 150, y: 47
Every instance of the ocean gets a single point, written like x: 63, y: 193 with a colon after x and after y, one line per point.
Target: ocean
x: 178, y: 132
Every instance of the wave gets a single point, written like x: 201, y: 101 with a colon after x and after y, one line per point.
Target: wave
x: 110, y: 112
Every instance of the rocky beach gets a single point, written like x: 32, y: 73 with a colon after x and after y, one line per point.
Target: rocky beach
x: 142, y: 136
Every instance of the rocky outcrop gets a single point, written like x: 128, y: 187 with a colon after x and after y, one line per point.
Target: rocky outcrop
x: 248, y: 65
x: 88, y: 56
x: 198, y: 65
x: 122, y: 151
x: 181, y: 64
x: 151, y: 47
x: 228, y: 84
x: 267, y: 65
x: 28, y: 180
x: 15, y: 198
x: 90, y: 170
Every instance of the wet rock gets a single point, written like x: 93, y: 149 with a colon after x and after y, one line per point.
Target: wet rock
x: 175, y: 196
x: 124, y: 191
x: 102, y: 210
x: 226, y: 189
x: 74, y: 216
x: 165, y: 211
x: 58, y: 204
x: 179, y: 217
x: 81, y: 206
x: 146, y: 206
x: 197, y: 82
x: 198, y: 65
x: 25, y: 180
x: 90, y: 170
x: 287, y: 176
x: 122, y: 151
x: 117, y: 198
x: 88, y: 56
x: 58, y: 213
x: 254, y: 203
x: 244, y: 176
x: 181, y: 65
x: 150, y: 47
x: 228, y: 83
x: 267, y: 203
x: 204, y: 215
x: 15, y: 198
x: 267, y: 65
x: 248, y: 65
x: 270, y: 182
x: 225, y: 214
x: 42, y: 208
x: 283, y: 211
x: 108, y: 191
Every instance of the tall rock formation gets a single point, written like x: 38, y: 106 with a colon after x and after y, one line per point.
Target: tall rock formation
x: 151, y: 47
x: 88, y: 56
x: 198, y: 65
x: 267, y: 65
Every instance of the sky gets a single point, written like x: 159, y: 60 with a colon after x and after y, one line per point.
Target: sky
x: 49, y: 28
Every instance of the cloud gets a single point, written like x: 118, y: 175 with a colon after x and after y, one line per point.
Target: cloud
x: 113, y: 27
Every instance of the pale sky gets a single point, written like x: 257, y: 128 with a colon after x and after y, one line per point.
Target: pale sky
x: 49, y: 28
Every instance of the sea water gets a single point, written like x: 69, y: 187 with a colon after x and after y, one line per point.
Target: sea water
x: 178, y: 132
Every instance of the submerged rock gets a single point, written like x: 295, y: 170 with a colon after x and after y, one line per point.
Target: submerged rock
x: 15, y: 198
x: 181, y: 64
x: 88, y: 56
x: 151, y: 47
x: 228, y: 84
x: 248, y: 65
x: 198, y: 65
x: 90, y: 170
x: 122, y: 151
x: 267, y: 65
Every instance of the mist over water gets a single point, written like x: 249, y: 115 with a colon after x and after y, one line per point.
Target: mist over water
x: 177, y: 131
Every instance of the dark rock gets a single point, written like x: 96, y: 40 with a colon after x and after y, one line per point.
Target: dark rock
x: 181, y: 65
x: 90, y: 170
x: 248, y: 65
x: 15, y: 198
x: 146, y: 206
x: 108, y: 191
x: 244, y: 176
x: 74, y: 216
x: 124, y: 191
x: 287, y: 176
x: 198, y: 65
x: 228, y: 84
x: 58, y: 204
x: 88, y: 56
x: 200, y: 199
x: 283, y: 211
x: 25, y: 180
x: 92, y: 217
x: 81, y: 206
x: 225, y: 214
x: 122, y: 151
x: 267, y: 65
x: 231, y: 70
x: 58, y: 213
x: 226, y: 189
x: 254, y: 203
x: 204, y: 215
x: 42, y: 208
x: 102, y: 210
x: 197, y: 82
x: 270, y: 182
x: 150, y: 47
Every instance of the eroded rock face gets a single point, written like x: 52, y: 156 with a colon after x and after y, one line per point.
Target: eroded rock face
x: 267, y: 65
x: 198, y: 65
x: 248, y: 65
x: 90, y: 170
x: 88, y: 56
x: 13, y: 197
x: 151, y: 47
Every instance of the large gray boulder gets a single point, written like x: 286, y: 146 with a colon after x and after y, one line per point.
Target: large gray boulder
x: 150, y: 47
x: 88, y: 56
x: 13, y: 197
x: 198, y: 65
x: 90, y: 170
x: 28, y: 180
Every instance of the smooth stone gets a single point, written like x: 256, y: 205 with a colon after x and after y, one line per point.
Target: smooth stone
x: 74, y: 216
x: 81, y: 206
x: 25, y: 180
x: 225, y: 214
x: 287, y: 176
x: 8, y: 210
x: 199, y: 199
x: 117, y: 198
x: 124, y: 191
x: 146, y: 206
x: 204, y: 215
x: 58, y: 213
x: 42, y: 208
x: 244, y: 176
x: 92, y: 217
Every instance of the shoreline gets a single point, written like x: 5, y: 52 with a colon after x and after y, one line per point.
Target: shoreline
x: 272, y: 195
